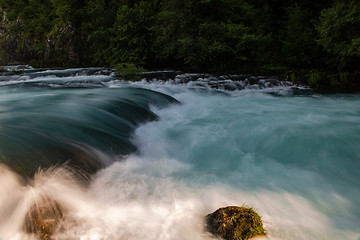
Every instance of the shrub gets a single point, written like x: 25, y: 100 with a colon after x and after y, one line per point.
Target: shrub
x: 129, y: 71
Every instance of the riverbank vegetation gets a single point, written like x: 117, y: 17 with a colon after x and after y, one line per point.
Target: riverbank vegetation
x: 313, y: 42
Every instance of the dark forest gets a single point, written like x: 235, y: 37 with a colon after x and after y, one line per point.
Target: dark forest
x: 313, y: 42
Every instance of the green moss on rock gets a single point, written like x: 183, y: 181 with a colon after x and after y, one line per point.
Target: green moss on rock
x: 235, y: 223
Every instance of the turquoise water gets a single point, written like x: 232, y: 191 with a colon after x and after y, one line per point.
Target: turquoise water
x: 295, y: 159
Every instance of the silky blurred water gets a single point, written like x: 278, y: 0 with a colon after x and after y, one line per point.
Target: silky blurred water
x: 295, y: 159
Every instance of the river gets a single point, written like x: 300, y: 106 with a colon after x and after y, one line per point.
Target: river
x: 149, y: 159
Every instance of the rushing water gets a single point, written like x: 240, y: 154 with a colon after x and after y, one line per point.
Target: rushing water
x: 157, y: 167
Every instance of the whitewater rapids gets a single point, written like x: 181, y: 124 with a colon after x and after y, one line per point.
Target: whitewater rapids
x: 295, y: 159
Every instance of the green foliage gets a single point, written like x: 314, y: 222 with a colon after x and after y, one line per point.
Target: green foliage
x: 339, y: 30
x: 132, y: 38
x: 63, y: 9
x: 273, y: 69
x: 344, y: 78
x: 99, y: 16
x: 174, y: 27
x: 205, y: 48
x: 207, y: 35
x: 129, y: 71
x: 298, y: 44
x: 26, y: 27
x: 314, y: 79
x: 68, y: 11
x: 247, y: 36
x: 12, y: 16
x: 247, y: 47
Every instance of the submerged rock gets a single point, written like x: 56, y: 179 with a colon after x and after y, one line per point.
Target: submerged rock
x: 235, y: 223
x: 43, y: 219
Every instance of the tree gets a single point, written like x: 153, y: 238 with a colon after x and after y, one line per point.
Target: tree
x: 299, y: 47
x: 207, y: 35
x: 25, y: 27
x: 98, y: 17
x: 131, y: 41
x: 339, y: 28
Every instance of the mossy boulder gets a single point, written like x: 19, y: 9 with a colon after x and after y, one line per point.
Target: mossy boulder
x: 43, y: 219
x: 235, y: 223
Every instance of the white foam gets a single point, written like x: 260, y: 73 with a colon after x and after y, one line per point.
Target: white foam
x: 138, y: 199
